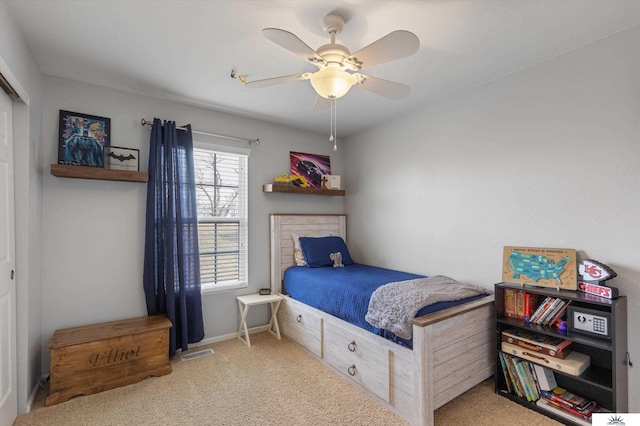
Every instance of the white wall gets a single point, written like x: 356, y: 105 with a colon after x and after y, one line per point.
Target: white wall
x: 94, y: 230
x: 17, y: 57
x: 546, y: 157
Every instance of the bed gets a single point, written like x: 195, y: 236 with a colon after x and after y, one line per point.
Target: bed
x: 453, y: 349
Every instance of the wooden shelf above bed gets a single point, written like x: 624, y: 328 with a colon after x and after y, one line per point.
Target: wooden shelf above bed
x: 290, y: 189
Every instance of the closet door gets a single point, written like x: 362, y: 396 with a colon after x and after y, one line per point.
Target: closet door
x: 8, y: 382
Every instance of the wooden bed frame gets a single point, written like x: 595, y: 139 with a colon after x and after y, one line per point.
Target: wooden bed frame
x: 453, y: 349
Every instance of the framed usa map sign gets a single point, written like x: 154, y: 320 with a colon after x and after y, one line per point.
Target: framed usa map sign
x: 543, y: 267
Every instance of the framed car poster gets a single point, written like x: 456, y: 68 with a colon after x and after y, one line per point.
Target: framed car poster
x: 310, y: 166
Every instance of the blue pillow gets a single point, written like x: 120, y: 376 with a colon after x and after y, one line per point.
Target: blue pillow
x: 316, y: 251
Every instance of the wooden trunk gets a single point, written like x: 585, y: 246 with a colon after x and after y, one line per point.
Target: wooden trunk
x: 95, y: 358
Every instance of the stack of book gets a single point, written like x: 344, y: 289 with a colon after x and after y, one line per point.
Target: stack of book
x: 526, y: 379
x: 520, y: 376
x: 538, y: 384
x: 519, y: 304
x: 550, y: 311
x: 560, y: 401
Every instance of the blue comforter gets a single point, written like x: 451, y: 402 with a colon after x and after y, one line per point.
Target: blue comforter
x: 345, y: 292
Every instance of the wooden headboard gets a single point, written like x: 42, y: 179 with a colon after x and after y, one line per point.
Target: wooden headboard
x: 283, y: 225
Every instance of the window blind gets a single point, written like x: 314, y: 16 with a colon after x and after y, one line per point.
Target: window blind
x: 221, y: 191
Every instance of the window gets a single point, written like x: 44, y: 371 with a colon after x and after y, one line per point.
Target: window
x: 221, y: 198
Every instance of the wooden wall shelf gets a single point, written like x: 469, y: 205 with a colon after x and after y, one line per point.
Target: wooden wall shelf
x: 289, y: 189
x: 80, y: 172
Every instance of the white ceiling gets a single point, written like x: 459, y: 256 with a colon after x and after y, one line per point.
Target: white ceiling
x: 185, y: 50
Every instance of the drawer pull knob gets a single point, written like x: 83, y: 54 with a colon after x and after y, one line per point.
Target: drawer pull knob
x: 299, y: 318
x: 352, y: 370
x: 352, y: 346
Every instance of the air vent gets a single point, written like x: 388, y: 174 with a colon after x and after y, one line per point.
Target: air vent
x: 198, y: 354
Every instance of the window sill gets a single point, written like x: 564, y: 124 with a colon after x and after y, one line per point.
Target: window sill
x: 204, y: 290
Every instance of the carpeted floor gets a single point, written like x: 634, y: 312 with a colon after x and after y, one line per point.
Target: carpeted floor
x: 272, y: 383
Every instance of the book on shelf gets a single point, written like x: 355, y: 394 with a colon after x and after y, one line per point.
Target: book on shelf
x: 584, y: 413
x: 567, y: 398
x: 530, y: 305
x: 533, y: 380
x: 546, y: 378
x: 545, y: 404
x: 510, y: 302
x: 542, y: 308
x: 560, y: 313
x: 505, y: 372
x: 520, y: 377
x: 552, y: 312
x: 519, y: 304
x: 553, y: 346
x: 517, y: 385
x: 557, y: 302
x: 529, y: 391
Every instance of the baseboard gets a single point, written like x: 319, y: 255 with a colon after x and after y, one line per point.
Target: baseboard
x: 224, y: 337
x: 32, y: 397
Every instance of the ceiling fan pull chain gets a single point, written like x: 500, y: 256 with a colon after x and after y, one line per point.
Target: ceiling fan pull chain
x: 335, y: 126
x: 332, y: 104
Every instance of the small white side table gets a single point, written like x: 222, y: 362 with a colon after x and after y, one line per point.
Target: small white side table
x: 244, y: 302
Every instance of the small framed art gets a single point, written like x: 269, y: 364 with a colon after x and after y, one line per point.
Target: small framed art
x: 310, y: 166
x: 82, y: 138
x: 542, y: 267
x: 118, y: 158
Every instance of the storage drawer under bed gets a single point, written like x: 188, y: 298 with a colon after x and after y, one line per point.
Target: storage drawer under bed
x: 358, y: 358
x: 300, y: 324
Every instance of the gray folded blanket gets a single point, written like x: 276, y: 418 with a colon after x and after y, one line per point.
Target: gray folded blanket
x: 393, y: 306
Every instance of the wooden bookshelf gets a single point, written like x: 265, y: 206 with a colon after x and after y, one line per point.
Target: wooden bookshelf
x: 604, y: 381
x: 291, y: 189
x: 99, y: 173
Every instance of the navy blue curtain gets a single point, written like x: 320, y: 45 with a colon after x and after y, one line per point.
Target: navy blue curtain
x: 171, y: 258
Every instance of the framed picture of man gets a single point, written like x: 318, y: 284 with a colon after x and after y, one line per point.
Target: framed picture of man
x: 82, y: 138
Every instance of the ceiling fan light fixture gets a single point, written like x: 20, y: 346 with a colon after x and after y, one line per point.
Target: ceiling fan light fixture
x: 332, y: 83
x: 332, y: 80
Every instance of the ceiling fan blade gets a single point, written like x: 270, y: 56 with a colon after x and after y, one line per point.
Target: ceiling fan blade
x: 258, y: 84
x: 395, y: 45
x: 384, y: 88
x: 322, y: 103
x: 292, y: 43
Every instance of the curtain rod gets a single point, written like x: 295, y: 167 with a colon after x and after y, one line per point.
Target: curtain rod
x: 255, y: 141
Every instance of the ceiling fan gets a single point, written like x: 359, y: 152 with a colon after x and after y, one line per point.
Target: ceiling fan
x: 338, y: 67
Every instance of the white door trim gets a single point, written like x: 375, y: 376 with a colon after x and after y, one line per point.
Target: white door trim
x: 8, y: 348
x: 13, y: 81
